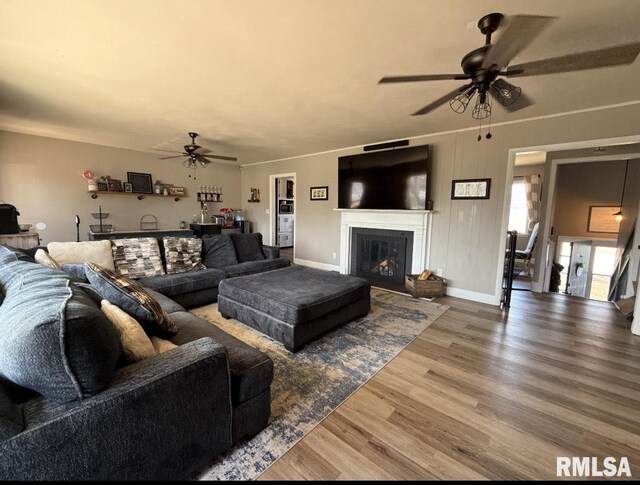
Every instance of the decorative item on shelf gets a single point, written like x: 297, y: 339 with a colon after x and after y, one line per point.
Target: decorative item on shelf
x: 140, y: 182
x: 103, y: 185
x: 100, y: 228
x: 157, y: 187
x: 255, y: 195
x: 91, y: 181
x: 128, y: 187
x: 319, y: 193
x: 177, y: 191
x: 115, y: 185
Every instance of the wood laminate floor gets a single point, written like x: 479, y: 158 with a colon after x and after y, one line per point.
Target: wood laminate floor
x: 480, y: 395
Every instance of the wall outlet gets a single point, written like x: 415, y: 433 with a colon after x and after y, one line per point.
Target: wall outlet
x: 439, y: 272
x: 334, y: 256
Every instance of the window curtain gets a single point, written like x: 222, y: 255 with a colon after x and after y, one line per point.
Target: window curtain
x: 532, y: 186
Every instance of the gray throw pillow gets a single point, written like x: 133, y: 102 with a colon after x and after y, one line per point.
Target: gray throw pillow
x: 218, y: 251
x: 55, y: 340
x: 132, y: 298
x: 248, y: 246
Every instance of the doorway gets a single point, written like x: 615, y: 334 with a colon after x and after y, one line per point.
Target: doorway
x: 282, y: 197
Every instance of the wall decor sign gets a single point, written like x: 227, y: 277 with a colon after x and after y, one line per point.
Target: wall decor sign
x: 319, y: 193
x: 114, y: 185
x: 601, y: 219
x: 140, y: 182
x: 128, y: 187
x: 471, y: 189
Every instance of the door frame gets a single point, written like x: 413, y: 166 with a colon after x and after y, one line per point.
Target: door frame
x: 541, y: 252
x: 273, y: 207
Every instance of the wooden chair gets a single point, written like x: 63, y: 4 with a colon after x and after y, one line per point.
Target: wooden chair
x: 526, y: 253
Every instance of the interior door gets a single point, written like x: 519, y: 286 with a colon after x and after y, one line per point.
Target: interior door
x: 578, y: 275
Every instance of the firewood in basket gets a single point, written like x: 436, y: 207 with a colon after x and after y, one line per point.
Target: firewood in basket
x: 424, y: 275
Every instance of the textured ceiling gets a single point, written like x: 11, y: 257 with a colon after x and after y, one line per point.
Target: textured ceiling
x: 268, y: 79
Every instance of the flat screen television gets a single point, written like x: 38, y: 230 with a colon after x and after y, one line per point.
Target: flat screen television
x: 390, y: 179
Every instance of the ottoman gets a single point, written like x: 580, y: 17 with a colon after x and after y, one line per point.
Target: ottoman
x: 294, y: 305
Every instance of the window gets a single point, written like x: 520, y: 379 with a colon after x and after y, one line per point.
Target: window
x: 518, y: 219
x: 604, y: 263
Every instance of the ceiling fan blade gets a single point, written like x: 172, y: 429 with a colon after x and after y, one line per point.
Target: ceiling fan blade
x: 522, y: 29
x: 611, y: 56
x: 167, y: 158
x: 222, y: 157
x: 425, y: 77
x: 523, y: 101
x: 440, y: 101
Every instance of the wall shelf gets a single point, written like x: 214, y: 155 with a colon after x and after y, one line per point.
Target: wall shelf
x: 139, y: 196
x: 253, y: 201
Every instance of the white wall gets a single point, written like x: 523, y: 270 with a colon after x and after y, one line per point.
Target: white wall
x: 41, y: 177
x: 466, y: 234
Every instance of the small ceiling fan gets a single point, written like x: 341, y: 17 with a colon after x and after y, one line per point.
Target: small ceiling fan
x: 484, y: 67
x: 196, y: 154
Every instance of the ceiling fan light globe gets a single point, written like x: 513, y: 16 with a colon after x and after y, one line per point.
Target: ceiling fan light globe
x: 506, y: 93
x: 481, y: 110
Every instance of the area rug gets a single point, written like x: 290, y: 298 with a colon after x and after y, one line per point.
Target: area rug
x: 311, y: 383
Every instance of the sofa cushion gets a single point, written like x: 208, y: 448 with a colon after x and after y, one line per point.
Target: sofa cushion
x: 161, y: 345
x: 44, y: 258
x: 137, y: 257
x: 55, y: 340
x: 136, y: 345
x: 76, y: 271
x: 11, y: 420
x: 248, y: 246
x: 251, y: 370
x: 98, y: 252
x: 179, y: 284
x: 182, y: 254
x: 218, y: 251
x: 167, y: 304
x: 252, y: 267
x: 14, y: 253
x: 131, y: 297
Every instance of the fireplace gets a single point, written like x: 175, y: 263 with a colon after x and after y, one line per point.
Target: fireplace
x: 381, y: 256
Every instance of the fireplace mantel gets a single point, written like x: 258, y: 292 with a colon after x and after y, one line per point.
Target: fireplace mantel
x: 417, y: 221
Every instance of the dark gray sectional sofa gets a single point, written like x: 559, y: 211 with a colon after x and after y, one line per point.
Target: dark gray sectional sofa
x: 71, y: 414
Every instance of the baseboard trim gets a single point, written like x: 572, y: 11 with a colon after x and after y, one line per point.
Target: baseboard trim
x: 474, y: 296
x: 315, y: 264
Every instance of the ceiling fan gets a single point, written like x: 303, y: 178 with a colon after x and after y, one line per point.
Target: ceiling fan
x: 484, y: 67
x: 196, y: 154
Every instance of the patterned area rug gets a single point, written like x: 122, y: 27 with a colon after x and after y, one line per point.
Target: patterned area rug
x: 311, y: 383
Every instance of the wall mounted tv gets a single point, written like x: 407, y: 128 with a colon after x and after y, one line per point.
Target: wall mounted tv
x: 389, y: 179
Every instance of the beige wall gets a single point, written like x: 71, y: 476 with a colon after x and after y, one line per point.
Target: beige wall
x: 580, y: 186
x: 466, y: 234
x: 522, y: 170
x: 41, y: 177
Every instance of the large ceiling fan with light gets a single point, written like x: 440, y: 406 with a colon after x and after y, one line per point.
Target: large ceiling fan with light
x: 195, y: 154
x: 486, y: 66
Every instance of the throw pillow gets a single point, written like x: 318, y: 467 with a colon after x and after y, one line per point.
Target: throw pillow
x: 55, y: 340
x: 182, y: 254
x: 98, y: 252
x: 248, y: 246
x: 218, y: 251
x: 137, y: 257
x: 135, y: 343
x: 44, y: 258
x: 161, y: 345
x: 131, y: 297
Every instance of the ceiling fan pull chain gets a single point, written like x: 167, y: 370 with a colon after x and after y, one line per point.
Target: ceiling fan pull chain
x: 489, y: 135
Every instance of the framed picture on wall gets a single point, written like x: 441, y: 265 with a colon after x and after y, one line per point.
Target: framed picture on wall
x: 127, y: 187
x: 319, y: 193
x: 471, y: 189
x: 603, y: 219
x: 140, y: 182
